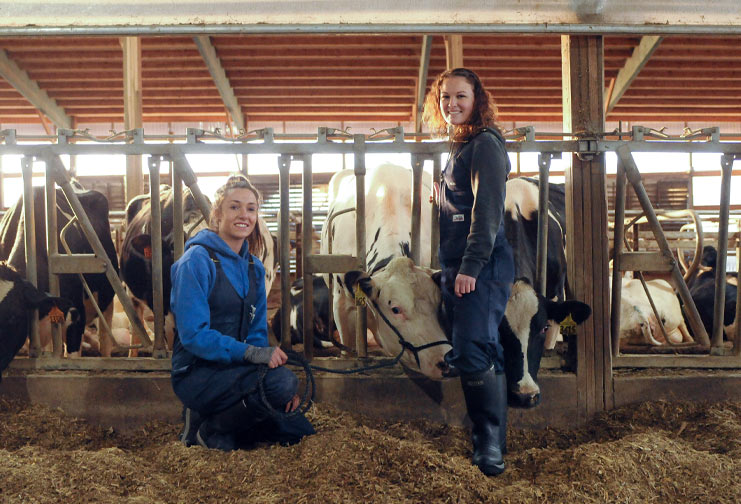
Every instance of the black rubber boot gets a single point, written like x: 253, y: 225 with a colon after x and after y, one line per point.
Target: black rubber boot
x: 191, y: 422
x: 220, y: 431
x: 486, y: 401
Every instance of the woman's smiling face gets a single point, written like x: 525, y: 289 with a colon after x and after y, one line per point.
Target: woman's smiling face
x: 456, y: 100
x: 238, y: 216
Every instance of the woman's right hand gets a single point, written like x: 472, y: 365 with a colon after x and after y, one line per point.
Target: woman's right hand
x: 278, y: 358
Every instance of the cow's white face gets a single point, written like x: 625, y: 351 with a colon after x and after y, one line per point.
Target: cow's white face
x: 409, y: 298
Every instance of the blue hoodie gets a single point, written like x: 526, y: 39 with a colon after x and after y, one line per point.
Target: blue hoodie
x: 193, y: 277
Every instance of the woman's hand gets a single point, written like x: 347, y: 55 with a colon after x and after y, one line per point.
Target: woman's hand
x: 464, y: 284
x: 278, y: 358
x: 293, y: 403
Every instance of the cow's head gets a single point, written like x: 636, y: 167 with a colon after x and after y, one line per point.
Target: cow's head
x: 522, y: 334
x: 409, y: 298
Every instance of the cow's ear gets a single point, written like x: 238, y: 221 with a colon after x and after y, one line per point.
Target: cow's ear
x: 358, y: 279
x: 437, y: 278
x: 558, y: 311
x: 33, y: 296
x: 142, y: 243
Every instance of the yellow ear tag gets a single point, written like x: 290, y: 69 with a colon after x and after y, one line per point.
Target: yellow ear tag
x: 568, y: 326
x: 360, y: 297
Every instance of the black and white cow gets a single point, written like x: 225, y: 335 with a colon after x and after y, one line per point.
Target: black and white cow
x: 296, y: 317
x: 13, y: 249
x: 18, y: 298
x: 702, y: 290
x: 136, y: 250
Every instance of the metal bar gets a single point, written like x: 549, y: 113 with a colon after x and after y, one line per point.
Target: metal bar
x: 424, y: 65
x: 178, y: 234
x: 182, y: 166
x: 634, y: 176
x: 155, y: 205
x: 284, y: 168
x: 52, y: 248
x: 361, y: 314
x: 726, y: 163
x: 29, y: 238
x: 737, y: 319
x: 54, y: 164
x: 344, y: 28
x: 435, y: 220
x: 79, y: 263
x: 306, y: 249
x: 417, y: 166
x: 619, y: 236
x: 677, y: 361
x: 541, y: 260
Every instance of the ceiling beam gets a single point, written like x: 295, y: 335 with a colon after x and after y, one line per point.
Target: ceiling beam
x: 453, y: 51
x: 424, y: 66
x: 30, y: 90
x: 632, y: 67
x: 213, y: 63
x: 132, y: 109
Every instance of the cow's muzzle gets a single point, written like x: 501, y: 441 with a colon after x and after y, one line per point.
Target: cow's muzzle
x: 520, y: 400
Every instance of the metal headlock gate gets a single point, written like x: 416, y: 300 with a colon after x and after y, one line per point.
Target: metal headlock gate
x: 330, y: 140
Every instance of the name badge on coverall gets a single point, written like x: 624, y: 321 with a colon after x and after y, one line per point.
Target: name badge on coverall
x: 458, y: 217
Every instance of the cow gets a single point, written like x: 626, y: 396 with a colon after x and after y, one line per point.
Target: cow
x: 388, y: 209
x: 136, y: 251
x: 296, y: 317
x: 18, y: 299
x: 702, y: 290
x: 12, y: 249
x: 523, y: 330
x: 521, y: 228
x: 638, y: 322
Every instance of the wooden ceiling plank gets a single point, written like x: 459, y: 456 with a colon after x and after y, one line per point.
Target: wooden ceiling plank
x: 31, y: 90
x: 633, y: 66
x: 213, y: 63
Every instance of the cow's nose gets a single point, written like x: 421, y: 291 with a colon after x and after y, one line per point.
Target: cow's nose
x: 448, y: 370
x: 519, y: 400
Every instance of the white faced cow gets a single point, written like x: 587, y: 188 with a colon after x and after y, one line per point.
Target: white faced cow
x: 398, y: 285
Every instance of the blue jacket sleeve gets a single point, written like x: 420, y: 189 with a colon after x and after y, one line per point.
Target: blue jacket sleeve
x: 192, y: 279
x: 259, y: 327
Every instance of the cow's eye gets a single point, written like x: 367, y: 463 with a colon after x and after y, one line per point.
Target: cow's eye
x: 396, y: 310
x: 545, y: 329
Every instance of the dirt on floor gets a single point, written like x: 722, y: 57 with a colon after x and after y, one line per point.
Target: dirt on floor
x: 654, y: 452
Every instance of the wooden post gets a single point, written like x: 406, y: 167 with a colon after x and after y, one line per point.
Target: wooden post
x: 586, y: 215
x: 453, y: 51
x: 132, y: 83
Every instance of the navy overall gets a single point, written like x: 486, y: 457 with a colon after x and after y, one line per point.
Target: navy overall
x: 210, y: 387
x: 473, y: 320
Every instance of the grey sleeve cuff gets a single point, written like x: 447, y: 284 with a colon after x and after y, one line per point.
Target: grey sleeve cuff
x: 258, y: 355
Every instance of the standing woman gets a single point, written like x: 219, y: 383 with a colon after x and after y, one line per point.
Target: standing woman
x: 477, y: 263
x: 220, y: 307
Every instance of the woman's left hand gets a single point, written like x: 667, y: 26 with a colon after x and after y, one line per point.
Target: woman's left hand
x: 464, y: 284
x: 293, y: 403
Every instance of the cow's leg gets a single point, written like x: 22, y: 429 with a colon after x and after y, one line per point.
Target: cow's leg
x: 344, y: 316
x: 686, y: 336
x: 106, y: 345
x: 169, y: 330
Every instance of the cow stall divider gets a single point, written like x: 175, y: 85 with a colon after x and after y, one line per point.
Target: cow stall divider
x: 329, y: 140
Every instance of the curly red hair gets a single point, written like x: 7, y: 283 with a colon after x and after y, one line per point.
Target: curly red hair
x: 483, y: 115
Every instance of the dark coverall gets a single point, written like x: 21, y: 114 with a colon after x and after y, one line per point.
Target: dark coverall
x: 210, y: 387
x: 472, y: 242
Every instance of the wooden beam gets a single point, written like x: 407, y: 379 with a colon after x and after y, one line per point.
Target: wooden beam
x: 586, y: 221
x: 31, y: 90
x: 132, y: 87
x: 633, y: 66
x: 213, y: 63
x: 453, y: 51
x: 424, y: 65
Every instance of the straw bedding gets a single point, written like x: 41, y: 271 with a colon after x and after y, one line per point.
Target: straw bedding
x: 654, y: 452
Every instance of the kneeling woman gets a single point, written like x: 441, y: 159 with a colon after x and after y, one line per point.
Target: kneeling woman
x: 219, y: 302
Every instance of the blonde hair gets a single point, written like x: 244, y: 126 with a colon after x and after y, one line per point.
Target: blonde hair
x: 255, y: 240
x: 483, y: 115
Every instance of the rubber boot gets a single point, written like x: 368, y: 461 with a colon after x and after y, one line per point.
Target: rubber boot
x: 486, y: 402
x: 220, y: 431
x: 191, y: 422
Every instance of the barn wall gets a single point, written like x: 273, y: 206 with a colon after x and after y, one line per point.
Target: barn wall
x: 532, y: 15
